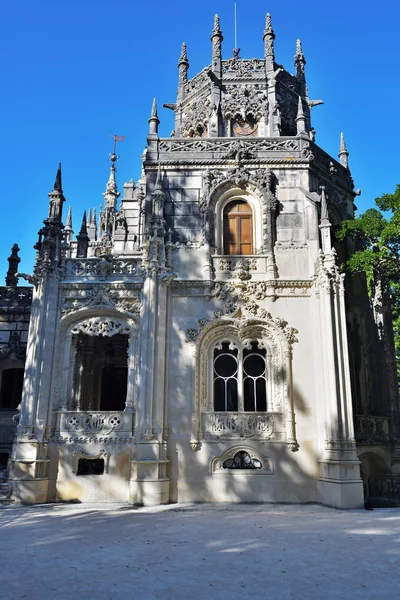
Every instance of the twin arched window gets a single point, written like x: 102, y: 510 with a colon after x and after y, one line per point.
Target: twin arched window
x: 238, y: 228
x: 240, y: 379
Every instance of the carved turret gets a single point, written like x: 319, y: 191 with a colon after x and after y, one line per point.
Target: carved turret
x: 216, y: 39
x: 269, y: 37
x: 83, y: 239
x: 300, y: 63
x: 183, y: 66
x: 13, y: 261
x: 154, y: 121
x: 343, y: 154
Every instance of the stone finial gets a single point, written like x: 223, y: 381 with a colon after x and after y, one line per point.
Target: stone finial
x: 301, y: 118
x: 300, y: 63
x: 217, y: 30
x: 68, y: 223
x: 13, y: 261
x: 154, y: 121
x: 56, y: 199
x: 183, y: 59
x: 268, y: 25
x: 343, y: 153
x: 183, y: 66
x: 83, y: 230
x: 325, y: 224
x: 82, y: 239
x: 324, y: 208
x: 299, y: 51
x: 268, y: 37
x: 57, y: 183
x: 68, y: 227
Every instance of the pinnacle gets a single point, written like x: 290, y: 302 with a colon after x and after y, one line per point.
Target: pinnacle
x: 183, y: 57
x: 343, y: 147
x: 57, y: 183
x: 299, y: 50
x: 154, y: 109
x: 69, y: 218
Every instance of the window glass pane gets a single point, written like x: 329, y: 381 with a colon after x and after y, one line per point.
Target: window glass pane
x: 232, y: 395
x: 261, y: 394
x: 219, y: 394
x: 248, y: 390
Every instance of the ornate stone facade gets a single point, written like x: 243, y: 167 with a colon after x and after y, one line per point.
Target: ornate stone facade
x: 191, y: 343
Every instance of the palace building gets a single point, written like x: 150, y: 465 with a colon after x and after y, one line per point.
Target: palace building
x: 196, y: 341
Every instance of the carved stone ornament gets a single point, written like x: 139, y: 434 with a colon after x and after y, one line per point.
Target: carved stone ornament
x: 245, y: 101
x: 102, y: 326
x: 195, y: 117
x: 262, y: 180
x: 243, y: 68
x: 77, y: 297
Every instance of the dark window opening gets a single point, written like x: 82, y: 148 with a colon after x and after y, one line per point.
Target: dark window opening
x: 90, y: 466
x: 254, y: 380
x: 242, y: 460
x: 113, y: 388
x: 101, y: 373
x: 4, y: 456
x: 11, y: 388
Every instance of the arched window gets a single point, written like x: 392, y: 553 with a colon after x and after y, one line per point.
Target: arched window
x: 238, y: 228
x: 240, y: 379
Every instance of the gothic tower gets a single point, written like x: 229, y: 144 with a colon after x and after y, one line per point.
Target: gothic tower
x: 191, y: 343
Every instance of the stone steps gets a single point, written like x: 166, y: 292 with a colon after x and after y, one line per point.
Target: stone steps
x: 4, y: 497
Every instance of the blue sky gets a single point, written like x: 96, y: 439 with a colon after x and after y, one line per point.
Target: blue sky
x: 75, y: 72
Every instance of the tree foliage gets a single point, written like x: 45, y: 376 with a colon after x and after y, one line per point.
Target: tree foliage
x: 376, y: 239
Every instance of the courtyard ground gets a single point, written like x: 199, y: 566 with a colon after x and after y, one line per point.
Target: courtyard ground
x: 276, y: 552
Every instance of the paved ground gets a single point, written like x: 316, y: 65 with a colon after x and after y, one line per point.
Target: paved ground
x: 110, y: 552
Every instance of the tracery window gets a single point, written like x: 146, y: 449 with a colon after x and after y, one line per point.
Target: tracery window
x: 240, y: 378
x: 238, y: 228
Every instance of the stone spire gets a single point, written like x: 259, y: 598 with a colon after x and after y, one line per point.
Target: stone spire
x: 300, y: 63
x: 154, y: 121
x: 301, y: 118
x: 83, y: 239
x: 68, y: 227
x: 343, y: 154
x: 269, y: 37
x: 56, y: 200
x: 215, y: 75
x: 13, y: 261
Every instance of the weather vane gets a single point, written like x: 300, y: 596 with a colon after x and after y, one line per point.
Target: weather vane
x: 117, y: 138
